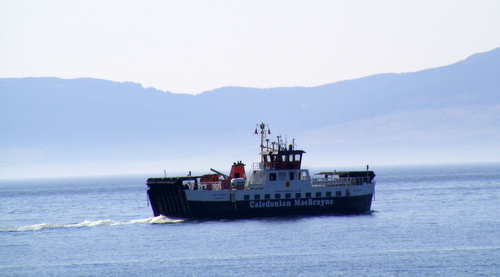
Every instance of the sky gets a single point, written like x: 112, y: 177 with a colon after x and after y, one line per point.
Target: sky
x: 196, y: 46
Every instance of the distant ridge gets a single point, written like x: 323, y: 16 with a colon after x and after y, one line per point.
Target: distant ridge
x: 92, y: 126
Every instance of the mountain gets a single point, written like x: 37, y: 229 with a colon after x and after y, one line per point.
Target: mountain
x: 52, y: 126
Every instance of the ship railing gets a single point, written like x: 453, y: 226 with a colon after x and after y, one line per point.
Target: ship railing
x: 256, y: 167
x: 208, y: 186
x: 323, y: 182
x: 265, y: 166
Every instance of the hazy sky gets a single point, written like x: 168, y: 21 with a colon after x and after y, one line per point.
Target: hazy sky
x: 195, y: 46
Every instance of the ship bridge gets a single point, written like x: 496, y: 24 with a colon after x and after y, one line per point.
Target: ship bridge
x: 276, y: 155
x: 282, y: 160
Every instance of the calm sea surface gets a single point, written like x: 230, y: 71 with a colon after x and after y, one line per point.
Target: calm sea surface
x: 425, y: 221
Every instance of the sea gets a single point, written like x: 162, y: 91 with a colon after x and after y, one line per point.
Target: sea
x: 432, y: 220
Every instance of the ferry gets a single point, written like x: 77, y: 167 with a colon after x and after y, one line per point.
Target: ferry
x: 276, y: 186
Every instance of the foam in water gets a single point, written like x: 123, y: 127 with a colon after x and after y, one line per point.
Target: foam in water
x: 161, y: 219
x: 87, y: 223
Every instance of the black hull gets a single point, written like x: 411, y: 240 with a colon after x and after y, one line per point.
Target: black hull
x: 170, y: 200
x: 243, y: 209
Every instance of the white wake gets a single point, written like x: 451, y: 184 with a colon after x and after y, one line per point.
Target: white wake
x: 87, y: 223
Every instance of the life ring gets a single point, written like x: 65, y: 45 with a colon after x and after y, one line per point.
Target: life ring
x: 287, y: 184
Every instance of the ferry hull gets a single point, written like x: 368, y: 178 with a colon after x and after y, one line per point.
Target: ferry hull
x: 169, y: 199
x: 249, y: 209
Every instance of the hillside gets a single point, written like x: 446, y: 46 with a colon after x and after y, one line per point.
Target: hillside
x: 51, y: 126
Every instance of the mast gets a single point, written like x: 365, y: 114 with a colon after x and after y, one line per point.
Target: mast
x: 263, y: 127
x: 279, y: 156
